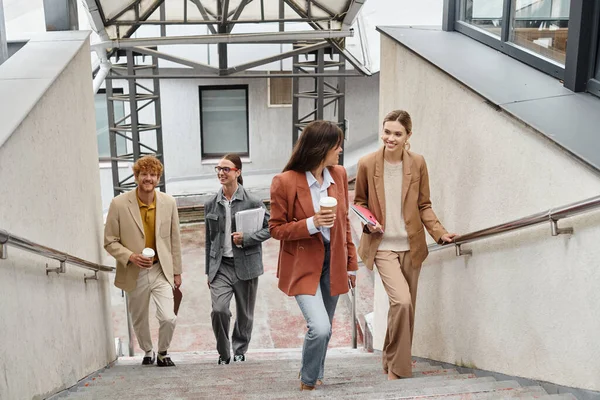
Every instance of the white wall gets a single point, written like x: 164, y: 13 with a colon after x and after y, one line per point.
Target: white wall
x: 55, y: 329
x: 269, y: 127
x: 525, y: 303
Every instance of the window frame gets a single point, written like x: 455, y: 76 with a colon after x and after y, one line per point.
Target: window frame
x: 582, y: 59
x: 593, y: 84
x: 205, y: 155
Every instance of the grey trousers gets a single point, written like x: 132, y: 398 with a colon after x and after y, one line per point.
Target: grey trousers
x: 222, y: 288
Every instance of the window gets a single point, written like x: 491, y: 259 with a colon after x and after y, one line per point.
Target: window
x: 558, y: 37
x: 532, y: 31
x: 224, y: 120
x: 484, y: 14
x: 102, y: 132
x: 280, y: 90
x: 542, y: 27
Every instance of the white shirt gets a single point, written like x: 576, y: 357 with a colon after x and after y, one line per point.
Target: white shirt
x: 316, y: 193
x: 227, y: 242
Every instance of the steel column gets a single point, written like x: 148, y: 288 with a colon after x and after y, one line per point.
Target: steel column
x: 3, y: 44
x: 130, y: 127
x: 158, y: 122
x: 341, y: 107
x: 133, y: 109
x: 295, y: 99
x: 324, y: 94
x: 61, y: 15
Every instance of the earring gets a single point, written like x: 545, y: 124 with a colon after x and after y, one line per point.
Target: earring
x: 406, y: 146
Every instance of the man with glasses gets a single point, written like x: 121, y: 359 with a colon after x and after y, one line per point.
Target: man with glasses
x: 233, y: 259
x: 142, y: 234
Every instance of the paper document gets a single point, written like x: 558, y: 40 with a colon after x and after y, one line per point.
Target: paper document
x: 249, y: 221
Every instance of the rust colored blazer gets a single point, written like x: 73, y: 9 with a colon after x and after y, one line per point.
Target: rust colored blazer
x: 414, y: 200
x: 301, y: 255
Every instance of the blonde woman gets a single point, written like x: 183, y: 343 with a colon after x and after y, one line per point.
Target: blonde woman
x: 394, y: 185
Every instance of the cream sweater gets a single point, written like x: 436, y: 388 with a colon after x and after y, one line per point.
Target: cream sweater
x: 395, y: 237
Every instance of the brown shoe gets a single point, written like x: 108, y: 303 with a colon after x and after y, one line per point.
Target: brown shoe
x: 319, y: 382
x: 303, y: 386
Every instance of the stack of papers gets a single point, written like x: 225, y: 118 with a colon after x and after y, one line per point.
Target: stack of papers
x: 249, y: 221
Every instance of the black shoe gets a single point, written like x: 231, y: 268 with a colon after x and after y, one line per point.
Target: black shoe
x: 239, y: 358
x: 148, y: 360
x: 221, y: 361
x: 163, y: 360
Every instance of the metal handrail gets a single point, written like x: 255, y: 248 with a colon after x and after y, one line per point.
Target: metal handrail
x: 7, y: 239
x: 552, y: 215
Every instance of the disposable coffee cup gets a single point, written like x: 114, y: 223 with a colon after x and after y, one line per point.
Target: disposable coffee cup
x: 328, y: 203
x: 148, y: 252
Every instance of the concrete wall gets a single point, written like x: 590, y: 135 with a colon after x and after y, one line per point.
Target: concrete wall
x: 55, y: 329
x: 525, y: 303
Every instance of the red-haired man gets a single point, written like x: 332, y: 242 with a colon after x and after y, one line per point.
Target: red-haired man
x: 147, y: 219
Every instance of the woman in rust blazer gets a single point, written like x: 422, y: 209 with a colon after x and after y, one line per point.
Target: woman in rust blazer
x: 394, y: 185
x: 316, y: 263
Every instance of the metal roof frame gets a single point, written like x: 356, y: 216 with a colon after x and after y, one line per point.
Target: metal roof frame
x: 220, y: 16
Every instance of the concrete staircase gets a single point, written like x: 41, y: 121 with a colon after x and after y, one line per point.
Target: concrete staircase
x: 273, y: 374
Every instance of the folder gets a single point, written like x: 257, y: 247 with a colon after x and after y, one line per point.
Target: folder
x: 249, y: 221
x: 365, y: 216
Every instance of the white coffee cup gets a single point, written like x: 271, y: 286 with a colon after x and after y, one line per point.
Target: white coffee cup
x: 148, y: 252
x: 328, y: 203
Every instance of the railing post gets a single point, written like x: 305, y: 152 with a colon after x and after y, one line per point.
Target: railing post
x: 354, y: 329
x: 555, y: 230
x: 3, y: 237
x: 461, y: 252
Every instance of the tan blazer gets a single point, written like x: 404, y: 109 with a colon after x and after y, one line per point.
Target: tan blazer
x: 414, y: 200
x: 124, y: 235
x: 301, y: 255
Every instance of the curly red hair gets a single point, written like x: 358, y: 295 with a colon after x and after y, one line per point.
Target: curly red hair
x: 149, y: 164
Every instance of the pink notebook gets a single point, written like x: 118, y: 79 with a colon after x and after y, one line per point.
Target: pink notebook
x: 364, y: 215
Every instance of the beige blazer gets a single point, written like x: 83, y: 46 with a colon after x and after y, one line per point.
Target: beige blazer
x: 124, y: 235
x: 414, y: 200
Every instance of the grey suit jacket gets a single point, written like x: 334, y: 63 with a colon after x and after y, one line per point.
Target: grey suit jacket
x: 247, y: 259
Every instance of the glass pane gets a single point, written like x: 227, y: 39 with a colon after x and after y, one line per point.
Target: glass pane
x: 224, y: 121
x: 102, y: 125
x: 485, y: 14
x: 542, y: 26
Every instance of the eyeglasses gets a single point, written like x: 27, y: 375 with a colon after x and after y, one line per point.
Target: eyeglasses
x: 225, y: 169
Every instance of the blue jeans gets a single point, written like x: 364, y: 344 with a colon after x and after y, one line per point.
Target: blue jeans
x: 318, y: 312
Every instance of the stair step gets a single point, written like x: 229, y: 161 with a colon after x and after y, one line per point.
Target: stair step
x: 268, y: 375
x: 530, y: 392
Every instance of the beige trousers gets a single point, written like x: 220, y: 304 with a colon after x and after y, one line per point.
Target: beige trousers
x: 152, y: 283
x: 399, y: 278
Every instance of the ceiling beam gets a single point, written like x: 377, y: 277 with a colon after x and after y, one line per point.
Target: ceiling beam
x: 277, y: 57
x: 266, y: 37
x: 179, y: 60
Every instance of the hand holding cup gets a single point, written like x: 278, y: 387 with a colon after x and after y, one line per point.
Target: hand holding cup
x: 326, y: 215
x: 144, y: 260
